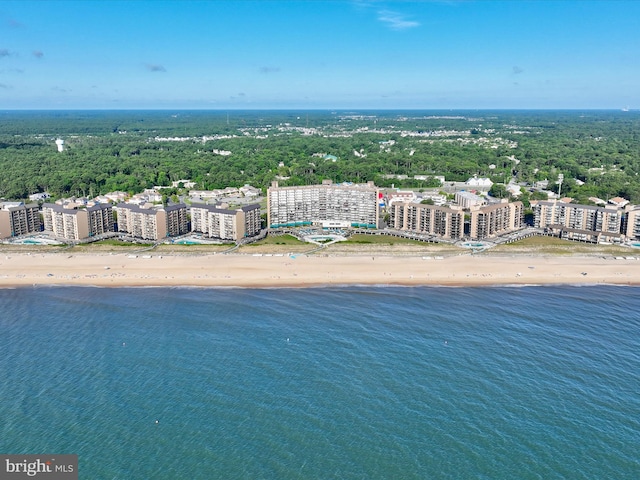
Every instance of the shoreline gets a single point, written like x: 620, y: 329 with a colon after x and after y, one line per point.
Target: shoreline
x: 304, y: 271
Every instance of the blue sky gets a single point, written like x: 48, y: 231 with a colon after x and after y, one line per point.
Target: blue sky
x: 319, y: 54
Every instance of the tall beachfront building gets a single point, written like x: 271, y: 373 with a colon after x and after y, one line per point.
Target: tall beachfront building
x: 16, y: 218
x: 444, y: 222
x: 497, y: 219
x: 74, y: 223
x: 579, y: 222
x: 152, y: 223
x: 329, y: 204
x: 216, y: 222
x: 632, y: 222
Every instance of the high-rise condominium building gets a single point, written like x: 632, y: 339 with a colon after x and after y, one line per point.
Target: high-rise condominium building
x: 215, y: 222
x: 16, y: 218
x: 444, y: 222
x: 326, y: 204
x: 494, y: 220
x: 77, y: 223
x: 579, y: 222
x: 632, y: 222
x: 152, y: 223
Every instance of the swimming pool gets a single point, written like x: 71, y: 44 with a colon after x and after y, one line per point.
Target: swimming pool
x: 36, y: 241
x: 474, y: 245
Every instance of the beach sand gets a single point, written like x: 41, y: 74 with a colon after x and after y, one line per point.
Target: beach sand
x: 299, y: 270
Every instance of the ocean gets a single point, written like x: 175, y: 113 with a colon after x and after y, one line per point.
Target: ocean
x: 325, y: 383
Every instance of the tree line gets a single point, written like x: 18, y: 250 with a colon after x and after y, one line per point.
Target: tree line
x: 597, y: 152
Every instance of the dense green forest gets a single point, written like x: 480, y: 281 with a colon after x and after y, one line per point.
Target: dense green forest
x: 598, y: 152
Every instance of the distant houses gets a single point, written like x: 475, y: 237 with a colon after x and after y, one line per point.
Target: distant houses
x: 36, y: 197
x: 479, y: 183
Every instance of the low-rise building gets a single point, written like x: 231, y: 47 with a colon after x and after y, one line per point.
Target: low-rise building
x: 619, y: 202
x: 16, y: 218
x: 401, y: 197
x: 468, y: 199
x: 149, y: 195
x: 116, y: 196
x: 183, y: 183
x: 249, y: 191
x: 514, y: 190
x: 36, y: 197
x: 436, y: 198
x: 481, y: 183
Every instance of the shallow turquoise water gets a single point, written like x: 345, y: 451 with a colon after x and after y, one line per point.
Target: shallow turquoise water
x: 534, y: 382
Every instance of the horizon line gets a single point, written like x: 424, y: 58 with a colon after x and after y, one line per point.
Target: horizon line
x: 318, y: 109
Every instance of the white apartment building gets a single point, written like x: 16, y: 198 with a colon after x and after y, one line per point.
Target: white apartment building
x: 354, y: 204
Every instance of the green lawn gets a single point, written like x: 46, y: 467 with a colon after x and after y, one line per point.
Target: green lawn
x: 555, y: 245
x: 278, y: 240
x: 381, y: 239
x: 119, y: 243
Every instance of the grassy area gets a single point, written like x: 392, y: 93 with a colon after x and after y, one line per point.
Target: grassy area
x: 388, y: 245
x: 355, y: 245
x: 120, y: 243
x: 201, y: 248
x: 557, y: 246
x: 278, y: 240
x: 16, y: 248
x: 380, y: 240
x: 277, y: 244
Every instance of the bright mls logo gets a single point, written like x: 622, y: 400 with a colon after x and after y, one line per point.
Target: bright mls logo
x: 49, y: 467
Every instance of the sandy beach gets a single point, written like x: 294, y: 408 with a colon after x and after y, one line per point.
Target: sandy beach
x: 299, y: 270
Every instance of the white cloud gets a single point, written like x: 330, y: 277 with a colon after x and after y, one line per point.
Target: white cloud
x: 396, y: 21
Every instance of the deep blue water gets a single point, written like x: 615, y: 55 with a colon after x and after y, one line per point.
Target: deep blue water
x: 355, y: 383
